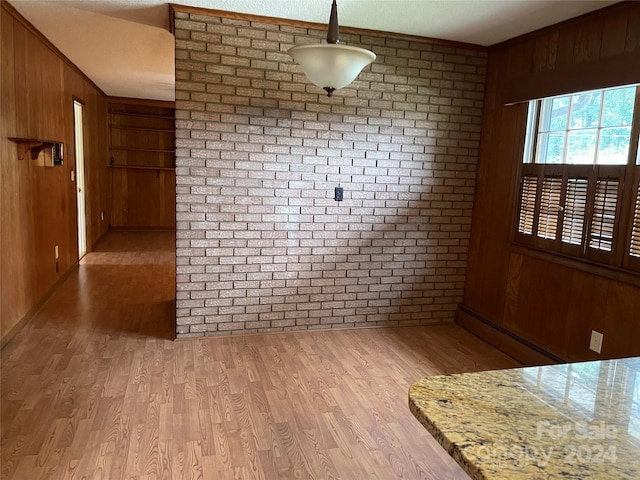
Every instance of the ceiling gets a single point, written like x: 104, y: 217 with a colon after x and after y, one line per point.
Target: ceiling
x: 125, y: 47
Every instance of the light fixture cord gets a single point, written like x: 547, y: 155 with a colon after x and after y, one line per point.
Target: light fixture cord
x: 333, y: 33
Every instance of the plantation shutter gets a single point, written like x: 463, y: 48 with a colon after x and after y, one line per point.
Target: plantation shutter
x: 603, y: 219
x: 575, y: 205
x: 634, y: 248
x: 527, y: 204
x: 549, y: 207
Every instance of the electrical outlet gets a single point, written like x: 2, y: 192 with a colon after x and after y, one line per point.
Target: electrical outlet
x: 595, y: 343
x: 338, y: 195
x: 56, y: 252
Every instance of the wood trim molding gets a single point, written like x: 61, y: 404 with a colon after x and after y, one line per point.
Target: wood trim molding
x: 9, y: 9
x: 315, y: 26
x: 501, y: 338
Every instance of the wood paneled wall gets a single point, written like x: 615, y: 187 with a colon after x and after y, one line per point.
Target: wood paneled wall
x: 38, y: 86
x: 142, y: 156
x: 144, y: 198
x: 547, y: 304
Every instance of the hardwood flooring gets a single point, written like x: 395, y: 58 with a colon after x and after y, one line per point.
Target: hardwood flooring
x: 94, y: 388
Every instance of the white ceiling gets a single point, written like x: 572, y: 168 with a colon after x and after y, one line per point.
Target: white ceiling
x: 125, y: 47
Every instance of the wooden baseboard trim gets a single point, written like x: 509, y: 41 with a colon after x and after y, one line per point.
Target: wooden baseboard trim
x: 13, y: 331
x: 514, y: 346
x: 240, y: 333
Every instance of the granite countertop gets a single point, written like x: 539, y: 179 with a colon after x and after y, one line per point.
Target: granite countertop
x: 569, y: 421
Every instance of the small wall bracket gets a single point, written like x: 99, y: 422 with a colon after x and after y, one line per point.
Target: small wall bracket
x: 32, y: 146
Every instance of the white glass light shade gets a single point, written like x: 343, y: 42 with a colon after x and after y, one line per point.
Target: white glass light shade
x: 330, y: 65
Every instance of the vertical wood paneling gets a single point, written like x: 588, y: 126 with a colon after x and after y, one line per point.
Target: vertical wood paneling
x: 588, y: 41
x: 480, y: 237
x: 621, y: 327
x: 520, y: 60
x: 614, y: 30
x: 38, y: 202
x: 493, y: 189
x: 542, y: 305
x: 566, y: 46
x: 552, y: 306
x: 632, y: 43
x: 513, y: 290
x: 144, y: 198
x: 11, y: 292
x: 586, y: 311
x: 142, y: 136
x: 545, y: 52
x: 19, y: 86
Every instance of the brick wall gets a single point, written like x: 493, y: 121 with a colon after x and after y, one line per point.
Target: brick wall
x: 261, y: 244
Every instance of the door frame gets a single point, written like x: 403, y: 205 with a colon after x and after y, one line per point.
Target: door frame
x: 80, y: 176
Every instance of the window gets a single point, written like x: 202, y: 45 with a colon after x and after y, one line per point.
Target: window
x: 585, y: 128
x: 579, y: 189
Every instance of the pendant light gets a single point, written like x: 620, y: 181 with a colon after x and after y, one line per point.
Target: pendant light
x: 329, y: 65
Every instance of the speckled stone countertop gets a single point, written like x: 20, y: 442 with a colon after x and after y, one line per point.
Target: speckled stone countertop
x: 570, y: 421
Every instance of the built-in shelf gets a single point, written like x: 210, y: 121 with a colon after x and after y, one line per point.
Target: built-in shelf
x: 141, y: 167
x: 143, y: 129
x: 135, y: 149
x: 143, y: 115
x: 32, y: 145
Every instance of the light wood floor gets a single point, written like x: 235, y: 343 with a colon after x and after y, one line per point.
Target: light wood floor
x: 93, y: 388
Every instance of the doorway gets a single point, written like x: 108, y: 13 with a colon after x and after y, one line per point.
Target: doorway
x: 78, y: 111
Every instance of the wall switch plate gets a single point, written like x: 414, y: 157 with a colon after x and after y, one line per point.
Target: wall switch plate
x: 338, y: 194
x: 595, y: 343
